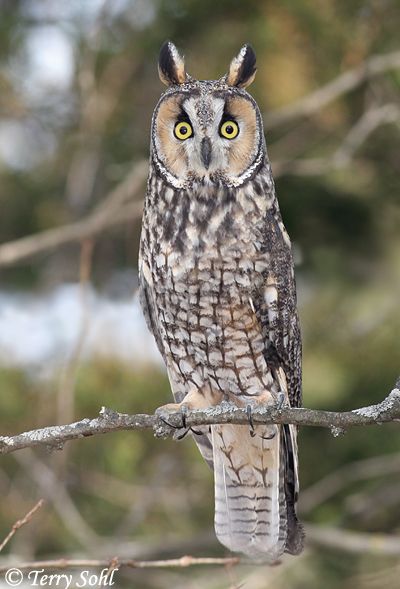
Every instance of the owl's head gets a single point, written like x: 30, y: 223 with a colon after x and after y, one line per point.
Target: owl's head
x: 207, y: 132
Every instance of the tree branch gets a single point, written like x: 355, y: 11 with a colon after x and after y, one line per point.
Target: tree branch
x: 114, y: 210
x: 343, y: 155
x: 55, y: 492
x: 353, y: 542
x: 56, y: 436
x: 334, y: 482
x: 341, y: 85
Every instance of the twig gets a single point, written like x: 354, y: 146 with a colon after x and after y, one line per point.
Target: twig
x: 341, y: 85
x: 55, y: 436
x: 182, y: 562
x: 21, y: 522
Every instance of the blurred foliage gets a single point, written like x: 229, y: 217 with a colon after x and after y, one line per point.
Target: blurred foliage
x: 65, y: 144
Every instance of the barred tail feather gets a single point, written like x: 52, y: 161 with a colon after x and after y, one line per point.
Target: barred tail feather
x: 253, y: 512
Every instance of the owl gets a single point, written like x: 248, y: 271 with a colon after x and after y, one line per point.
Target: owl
x: 218, y: 293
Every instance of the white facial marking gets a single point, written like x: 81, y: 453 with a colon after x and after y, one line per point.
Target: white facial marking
x: 205, y: 116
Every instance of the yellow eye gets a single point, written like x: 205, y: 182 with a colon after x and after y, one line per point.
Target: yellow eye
x: 183, y: 130
x: 229, y: 129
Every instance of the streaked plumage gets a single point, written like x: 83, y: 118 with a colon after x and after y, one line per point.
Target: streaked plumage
x: 218, y: 293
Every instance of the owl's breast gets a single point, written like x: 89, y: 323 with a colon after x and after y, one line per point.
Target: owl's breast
x: 223, y: 272
x: 204, y: 270
x: 207, y: 320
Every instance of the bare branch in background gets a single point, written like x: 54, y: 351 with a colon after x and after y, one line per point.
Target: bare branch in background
x: 342, y: 156
x: 353, y: 542
x: 66, y: 389
x: 359, y: 133
x: 117, y: 208
x: 344, y: 83
x: 55, y: 492
x: 113, y: 211
x: 334, y: 482
x: 65, y: 395
x: 55, y: 436
x: 100, y: 94
x: 21, y: 522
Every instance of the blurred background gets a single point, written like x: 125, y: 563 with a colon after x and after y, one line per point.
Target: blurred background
x: 78, y: 84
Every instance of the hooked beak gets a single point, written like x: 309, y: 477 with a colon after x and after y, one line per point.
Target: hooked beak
x: 205, y: 151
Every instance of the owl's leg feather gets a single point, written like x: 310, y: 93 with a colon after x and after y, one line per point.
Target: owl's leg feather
x: 195, y: 399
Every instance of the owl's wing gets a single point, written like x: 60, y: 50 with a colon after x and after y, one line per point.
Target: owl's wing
x: 275, y: 308
x: 148, y: 307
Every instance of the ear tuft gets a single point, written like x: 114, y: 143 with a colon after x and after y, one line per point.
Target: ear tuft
x: 171, y: 65
x: 242, y: 69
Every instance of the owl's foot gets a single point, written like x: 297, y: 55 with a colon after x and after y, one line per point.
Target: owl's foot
x: 250, y: 420
x: 169, y: 409
x: 166, y: 411
x: 251, y: 424
x: 183, y: 410
x: 278, y: 404
x: 280, y: 400
x: 276, y: 401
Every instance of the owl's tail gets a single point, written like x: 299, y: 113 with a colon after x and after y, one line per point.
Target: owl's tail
x: 256, y: 488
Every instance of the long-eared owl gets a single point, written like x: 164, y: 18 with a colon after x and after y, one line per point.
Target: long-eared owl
x: 218, y: 292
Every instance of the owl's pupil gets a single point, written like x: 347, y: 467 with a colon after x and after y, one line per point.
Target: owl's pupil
x: 229, y: 129
x: 184, y: 130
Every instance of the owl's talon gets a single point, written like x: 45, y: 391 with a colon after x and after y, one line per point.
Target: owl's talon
x: 250, y: 420
x: 185, y: 433
x: 167, y: 423
x: 183, y: 412
x: 171, y: 409
x: 249, y: 416
x: 280, y: 400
